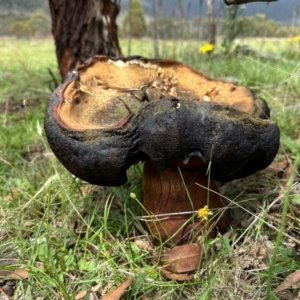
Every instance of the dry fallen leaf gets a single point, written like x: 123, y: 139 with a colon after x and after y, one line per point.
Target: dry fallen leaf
x: 119, y: 291
x: 3, y: 296
x: 176, y: 262
x: 176, y: 276
x: 181, y: 259
x: 282, y: 169
x: 81, y: 294
x: 19, y: 274
x: 279, y: 167
x: 96, y: 287
x: 14, y: 193
x: 288, y: 282
x: 144, y: 244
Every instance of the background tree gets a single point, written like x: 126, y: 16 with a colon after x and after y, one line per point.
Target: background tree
x: 134, y: 24
x: 83, y: 28
x: 212, y: 21
x: 21, y: 6
x: 155, y: 33
x: 165, y: 27
x: 232, y: 25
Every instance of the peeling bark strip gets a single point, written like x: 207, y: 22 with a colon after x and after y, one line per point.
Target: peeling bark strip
x: 237, y: 2
x: 83, y: 28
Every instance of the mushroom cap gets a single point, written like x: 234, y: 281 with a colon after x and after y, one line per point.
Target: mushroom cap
x: 113, y: 112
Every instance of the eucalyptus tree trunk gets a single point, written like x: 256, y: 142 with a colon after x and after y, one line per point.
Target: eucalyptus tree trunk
x: 83, y: 28
x: 212, y: 21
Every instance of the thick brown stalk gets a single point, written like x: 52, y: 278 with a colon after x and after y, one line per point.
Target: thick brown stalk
x: 165, y: 192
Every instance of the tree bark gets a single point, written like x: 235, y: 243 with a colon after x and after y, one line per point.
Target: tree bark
x: 212, y: 21
x: 237, y: 2
x: 83, y: 28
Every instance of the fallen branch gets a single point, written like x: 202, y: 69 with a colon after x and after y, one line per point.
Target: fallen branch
x: 237, y: 2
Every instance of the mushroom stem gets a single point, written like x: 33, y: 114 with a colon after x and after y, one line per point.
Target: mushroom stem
x: 174, y: 190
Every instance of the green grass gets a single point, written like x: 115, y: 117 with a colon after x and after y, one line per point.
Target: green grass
x: 72, y: 236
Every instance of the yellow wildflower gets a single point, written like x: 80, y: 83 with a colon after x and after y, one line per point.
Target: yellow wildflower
x: 206, y: 48
x: 294, y: 39
x: 204, y: 212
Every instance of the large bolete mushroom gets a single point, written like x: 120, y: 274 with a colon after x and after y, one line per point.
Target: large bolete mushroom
x: 186, y: 128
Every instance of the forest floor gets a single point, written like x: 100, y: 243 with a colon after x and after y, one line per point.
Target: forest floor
x: 61, y: 238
